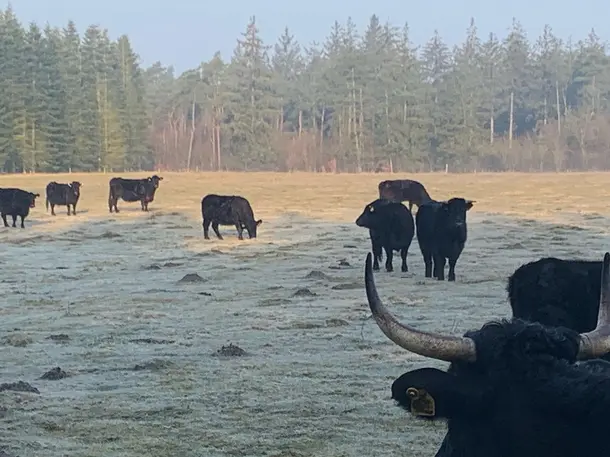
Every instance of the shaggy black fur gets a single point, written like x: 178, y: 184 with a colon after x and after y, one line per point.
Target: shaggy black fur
x: 557, y: 292
x: 525, y: 396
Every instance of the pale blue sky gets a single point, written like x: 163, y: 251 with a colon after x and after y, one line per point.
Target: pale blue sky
x: 182, y: 33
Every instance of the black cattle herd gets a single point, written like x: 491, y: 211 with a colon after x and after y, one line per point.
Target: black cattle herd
x: 535, y: 385
x: 215, y: 209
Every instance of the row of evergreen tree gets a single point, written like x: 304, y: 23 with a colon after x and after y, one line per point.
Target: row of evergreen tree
x: 356, y: 102
x: 68, y: 102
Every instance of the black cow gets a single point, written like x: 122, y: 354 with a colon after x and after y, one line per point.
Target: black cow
x: 16, y: 202
x: 228, y: 210
x: 441, y: 234
x: 399, y: 190
x: 390, y: 226
x: 133, y: 190
x: 513, y: 388
x: 63, y: 194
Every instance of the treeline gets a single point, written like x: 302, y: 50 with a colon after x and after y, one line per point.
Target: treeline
x: 70, y: 102
x: 357, y: 102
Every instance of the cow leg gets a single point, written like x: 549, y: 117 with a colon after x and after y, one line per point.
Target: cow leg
x: 377, y: 253
x: 388, y: 261
x: 247, y: 230
x: 74, y: 209
x: 68, y: 206
x: 451, y: 275
x: 14, y: 220
x: 4, y: 220
x: 403, y: 256
x: 206, y: 228
x: 113, y: 202
x: 376, y: 259
x: 240, y: 230
x: 427, y: 255
x: 52, y: 209
x: 439, y: 267
x: 215, y: 228
x: 22, y: 219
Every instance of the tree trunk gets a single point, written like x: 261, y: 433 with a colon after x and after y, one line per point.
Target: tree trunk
x: 510, y: 122
x: 192, y: 139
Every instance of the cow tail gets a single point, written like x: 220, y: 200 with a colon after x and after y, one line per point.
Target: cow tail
x: 46, y: 202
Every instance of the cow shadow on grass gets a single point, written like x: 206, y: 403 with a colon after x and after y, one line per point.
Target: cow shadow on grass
x: 132, y: 209
x: 29, y: 222
x: 64, y: 212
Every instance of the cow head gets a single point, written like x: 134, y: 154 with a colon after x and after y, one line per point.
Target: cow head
x: 453, y: 214
x: 500, y: 374
x: 155, y: 180
x: 372, y: 215
x: 75, y: 185
x: 252, y: 227
x: 33, y: 199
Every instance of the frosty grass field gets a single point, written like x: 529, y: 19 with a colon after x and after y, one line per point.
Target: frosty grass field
x: 104, y: 297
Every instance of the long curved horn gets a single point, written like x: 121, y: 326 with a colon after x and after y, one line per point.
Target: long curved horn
x: 596, y: 343
x: 447, y: 348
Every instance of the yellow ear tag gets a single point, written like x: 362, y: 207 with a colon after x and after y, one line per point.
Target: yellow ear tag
x: 422, y: 403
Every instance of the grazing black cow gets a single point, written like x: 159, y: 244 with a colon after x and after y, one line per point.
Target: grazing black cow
x: 133, y: 190
x: 390, y: 226
x: 441, y: 234
x: 513, y: 388
x: 228, y: 210
x: 399, y: 190
x: 63, y: 194
x: 16, y: 202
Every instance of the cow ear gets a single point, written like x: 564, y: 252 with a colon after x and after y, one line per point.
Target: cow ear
x: 435, y: 394
x: 469, y: 204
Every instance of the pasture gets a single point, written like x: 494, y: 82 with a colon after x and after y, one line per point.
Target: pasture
x: 106, y: 297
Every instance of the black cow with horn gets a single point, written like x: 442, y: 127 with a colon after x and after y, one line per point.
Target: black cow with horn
x: 514, y: 388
